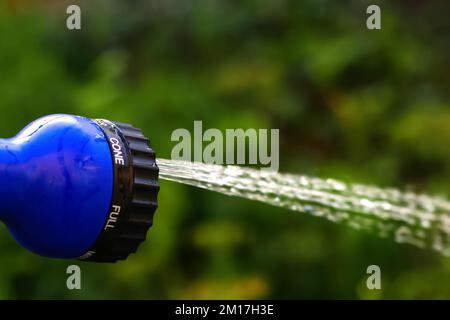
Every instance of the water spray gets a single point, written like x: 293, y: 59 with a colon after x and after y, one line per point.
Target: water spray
x: 404, y: 217
x: 72, y: 187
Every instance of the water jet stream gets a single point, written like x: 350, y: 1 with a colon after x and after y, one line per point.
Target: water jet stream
x: 405, y: 217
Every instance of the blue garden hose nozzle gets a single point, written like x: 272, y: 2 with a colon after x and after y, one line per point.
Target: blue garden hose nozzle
x: 72, y: 187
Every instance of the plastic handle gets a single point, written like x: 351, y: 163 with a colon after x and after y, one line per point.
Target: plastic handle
x: 56, y: 182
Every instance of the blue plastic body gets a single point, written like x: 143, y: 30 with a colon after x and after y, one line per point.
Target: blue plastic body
x: 56, y: 183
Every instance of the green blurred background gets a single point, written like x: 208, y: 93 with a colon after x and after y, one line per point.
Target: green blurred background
x: 352, y: 104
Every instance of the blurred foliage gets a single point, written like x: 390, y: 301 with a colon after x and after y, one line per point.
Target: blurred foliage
x: 352, y: 104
